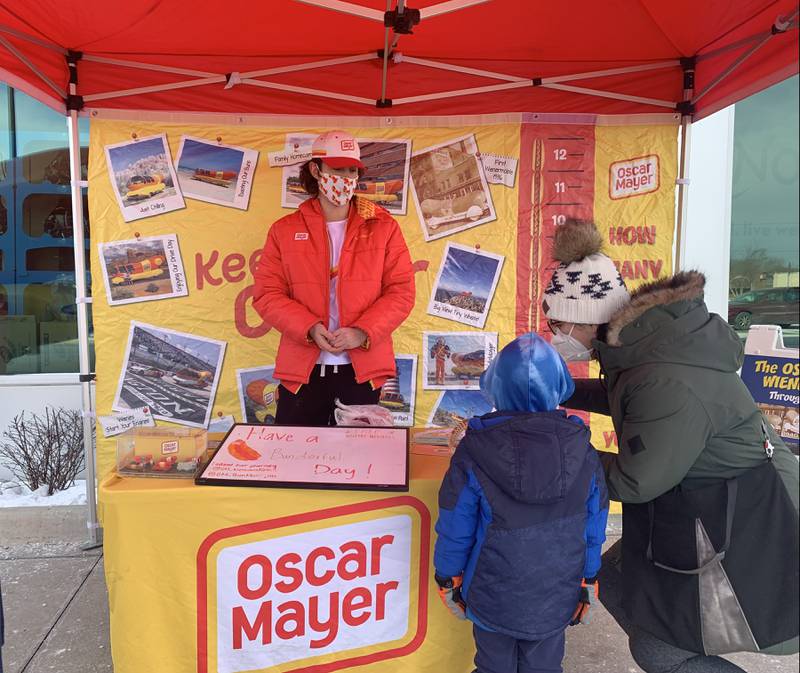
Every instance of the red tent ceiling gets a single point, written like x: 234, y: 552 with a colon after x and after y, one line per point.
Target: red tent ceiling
x: 522, y: 40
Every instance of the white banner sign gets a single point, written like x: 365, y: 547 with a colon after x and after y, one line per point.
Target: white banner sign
x: 320, y: 592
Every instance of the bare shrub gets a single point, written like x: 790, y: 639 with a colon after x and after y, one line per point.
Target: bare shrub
x: 45, y: 450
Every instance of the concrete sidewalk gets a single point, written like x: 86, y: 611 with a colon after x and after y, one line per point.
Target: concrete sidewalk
x: 56, y: 605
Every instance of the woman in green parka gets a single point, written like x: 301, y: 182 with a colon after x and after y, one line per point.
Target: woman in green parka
x: 708, y: 560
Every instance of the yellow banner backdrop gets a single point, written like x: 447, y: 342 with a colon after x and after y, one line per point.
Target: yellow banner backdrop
x: 174, y: 327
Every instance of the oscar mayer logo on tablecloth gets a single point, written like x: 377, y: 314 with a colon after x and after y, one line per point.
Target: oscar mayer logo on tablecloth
x: 633, y: 177
x: 321, y: 591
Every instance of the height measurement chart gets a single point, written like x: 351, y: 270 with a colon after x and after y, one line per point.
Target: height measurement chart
x: 556, y: 184
x: 349, y: 458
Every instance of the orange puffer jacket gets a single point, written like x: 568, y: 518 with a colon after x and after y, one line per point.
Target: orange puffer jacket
x: 375, y: 288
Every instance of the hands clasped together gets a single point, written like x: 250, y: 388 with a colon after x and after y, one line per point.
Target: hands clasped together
x: 338, y: 341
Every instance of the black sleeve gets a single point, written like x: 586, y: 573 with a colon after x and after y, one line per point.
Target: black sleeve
x: 589, y: 395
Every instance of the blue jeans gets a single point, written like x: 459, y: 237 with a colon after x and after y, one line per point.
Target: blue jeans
x: 498, y: 653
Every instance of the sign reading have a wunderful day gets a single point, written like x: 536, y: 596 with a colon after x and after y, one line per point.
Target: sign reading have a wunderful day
x: 359, y: 458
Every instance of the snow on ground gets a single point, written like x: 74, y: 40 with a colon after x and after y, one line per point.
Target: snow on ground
x: 74, y: 495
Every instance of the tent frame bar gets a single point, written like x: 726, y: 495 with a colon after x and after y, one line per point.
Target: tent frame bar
x: 514, y: 81
x: 33, y: 40
x: 146, y: 66
x: 21, y: 57
x: 612, y: 94
x: 674, y: 63
x: 780, y: 26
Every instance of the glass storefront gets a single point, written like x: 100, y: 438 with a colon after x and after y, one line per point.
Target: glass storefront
x: 38, y: 317
x: 765, y: 211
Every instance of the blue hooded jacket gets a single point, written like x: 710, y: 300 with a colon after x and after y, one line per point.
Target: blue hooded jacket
x: 524, y: 505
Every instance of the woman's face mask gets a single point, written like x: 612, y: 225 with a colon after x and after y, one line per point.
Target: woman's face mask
x: 569, y: 347
x: 338, y: 189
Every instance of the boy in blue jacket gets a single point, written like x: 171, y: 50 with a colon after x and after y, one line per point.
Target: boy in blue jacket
x: 522, y: 515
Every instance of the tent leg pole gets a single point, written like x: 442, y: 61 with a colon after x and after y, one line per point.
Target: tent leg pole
x: 683, y: 194
x: 81, y: 302
x: 385, y: 72
x: 686, y: 146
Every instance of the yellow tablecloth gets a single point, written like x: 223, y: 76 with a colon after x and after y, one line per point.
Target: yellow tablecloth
x: 223, y: 579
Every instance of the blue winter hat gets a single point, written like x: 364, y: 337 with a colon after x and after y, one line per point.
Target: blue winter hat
x: 527, y: 375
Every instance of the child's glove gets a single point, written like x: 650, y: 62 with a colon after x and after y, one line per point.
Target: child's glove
x: 590, y: 592
x: 450, y: 593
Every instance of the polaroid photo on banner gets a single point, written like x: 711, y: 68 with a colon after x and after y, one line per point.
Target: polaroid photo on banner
x: 258, y: 394
x: 216, y: 173
x: 456, y: 406
x: 142, y: 269
x: 456, y: 360
x: 465, y: 284
x: 450, y: 190
x: 292, y: 191
x: 174, y: 373
x: 398, y: 394
x: 143, y: 178
x: 385, y: 178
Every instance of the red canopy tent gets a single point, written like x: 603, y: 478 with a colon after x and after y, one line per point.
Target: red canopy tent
x: 386, y: 57
x: 464, y: 56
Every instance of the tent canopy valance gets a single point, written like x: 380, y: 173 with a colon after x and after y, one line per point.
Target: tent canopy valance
x: 337, y: 57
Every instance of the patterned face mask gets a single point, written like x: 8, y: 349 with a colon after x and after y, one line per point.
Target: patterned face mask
x: 338, y: 189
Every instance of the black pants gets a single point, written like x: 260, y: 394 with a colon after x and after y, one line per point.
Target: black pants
x: 498, y: 653
x: 314, y: 403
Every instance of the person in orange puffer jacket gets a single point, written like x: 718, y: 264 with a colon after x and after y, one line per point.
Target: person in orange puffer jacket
x: 335, y: 279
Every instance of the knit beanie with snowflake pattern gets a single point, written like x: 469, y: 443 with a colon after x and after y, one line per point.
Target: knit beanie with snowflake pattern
x: 586, y: 287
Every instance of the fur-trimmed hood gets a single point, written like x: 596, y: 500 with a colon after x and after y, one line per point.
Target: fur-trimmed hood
x: 667, y: 322
x: 683, y: 286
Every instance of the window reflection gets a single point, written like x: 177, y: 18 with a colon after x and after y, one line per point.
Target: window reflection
x: 765, y: 246
x: 38, y: 316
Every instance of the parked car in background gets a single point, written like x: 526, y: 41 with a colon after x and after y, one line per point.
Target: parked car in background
x: 776, y: 306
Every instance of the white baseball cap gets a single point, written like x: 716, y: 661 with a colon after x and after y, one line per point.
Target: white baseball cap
x: 337, y: 149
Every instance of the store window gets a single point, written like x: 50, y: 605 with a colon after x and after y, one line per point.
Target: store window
x: 38, y: 316
x: 765, y: 264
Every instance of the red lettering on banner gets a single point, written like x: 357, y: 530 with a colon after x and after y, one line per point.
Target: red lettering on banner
x: 284, y: 568
x: 353, y: 552
x: 350, y: 606
x: 610, y: 439
x: 380, y: 604
x: 378, y: 543
x: 318, y: 580
x: 640, y: 269
x: 329, y: 627
x: 320, y: 615
x: 240, y: 316
x: 260, y: 561
x: 291, y: 611
x: 262, y: 624
x: 255, y: 258
x: 203, y: 269
x: 232, y: 267
x: 632, y: 235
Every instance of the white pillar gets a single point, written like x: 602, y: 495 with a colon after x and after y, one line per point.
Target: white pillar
x: 706, y: 242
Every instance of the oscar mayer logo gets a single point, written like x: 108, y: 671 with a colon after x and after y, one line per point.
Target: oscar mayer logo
x: 315, y: 592
x: 347, y: 145
x: 633, y: 177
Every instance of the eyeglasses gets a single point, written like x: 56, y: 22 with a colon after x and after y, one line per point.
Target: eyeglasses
x: 555, y: 326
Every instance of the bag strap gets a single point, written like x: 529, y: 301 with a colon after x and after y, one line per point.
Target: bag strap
x: 769, y: 449
x: 733, y: 490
